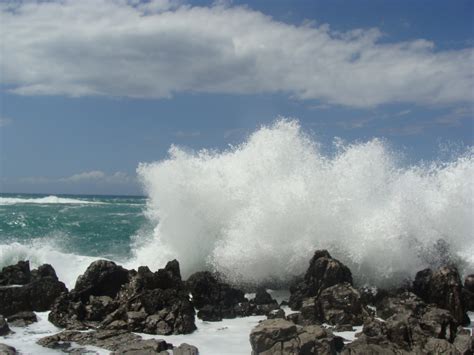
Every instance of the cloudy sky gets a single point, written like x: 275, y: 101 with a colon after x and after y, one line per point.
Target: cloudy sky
x: 90, y: 88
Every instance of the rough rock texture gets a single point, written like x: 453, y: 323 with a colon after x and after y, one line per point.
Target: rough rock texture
x: 118, y: 341
x: 405, y: 302
x: 41, y: 289
x: 7, y: 350
x: 18, y: 274
x: 442, y: 287
x: 185, y: 349
x: 468, y: 293
x: 4, y: 328
x: 214, y: 299
x: 279, y: 336
x: 142, y: 301
x: 22, y: 319
x: 323, y: 272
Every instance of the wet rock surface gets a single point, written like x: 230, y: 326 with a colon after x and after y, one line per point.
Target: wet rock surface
x: 323, y: 272
x: 141, y: 301
x: 26, y: 290
x: 4, y: 328
x: 22, y: 319
x: 7, y: 350
x: 279, y: 336
x: 444, y: 288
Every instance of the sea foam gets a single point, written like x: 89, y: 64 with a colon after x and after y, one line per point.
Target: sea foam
x: 256, y: 212
x: 44, y: 200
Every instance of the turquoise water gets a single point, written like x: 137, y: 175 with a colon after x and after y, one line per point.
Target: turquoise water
x: 98, y: 226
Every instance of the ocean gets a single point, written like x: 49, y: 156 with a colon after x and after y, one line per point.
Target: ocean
x: 256, y: 212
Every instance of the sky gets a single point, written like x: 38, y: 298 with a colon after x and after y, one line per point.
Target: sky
x: 91, y: 88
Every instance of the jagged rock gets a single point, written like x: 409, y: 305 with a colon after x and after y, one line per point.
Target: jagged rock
x: 185, y: 349
x: 468, y: 293
x: 367, y: 346
x: 117, y: 341
x: 102, y: 278
x: 405, y: 302
x: 464, y: 342
x: 262, y: 304
x: 7, y: 350
x: 155, y: 303
x: 4, y: 328
x: 442, y: 287
x: 337, y: 305
x: 38, y: 294
x: 214, y: 299
x: 323, y: 272
x: 18, y: 274
x: 276, y: 313
x: 278, y: 336
x: 22, y: 319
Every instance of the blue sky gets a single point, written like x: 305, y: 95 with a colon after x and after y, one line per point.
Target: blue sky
x: 90, y: 89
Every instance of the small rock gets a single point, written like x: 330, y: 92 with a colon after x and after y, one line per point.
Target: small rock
x: 4, y: 328
x: 185, y: 349
x: 7, y: 350
x: 22, y: 319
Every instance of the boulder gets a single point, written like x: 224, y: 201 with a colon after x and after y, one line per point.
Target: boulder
x: 154, y: 303
x: 468, y: 293
x: 214, y: 299
x: 262, y: 304
x: 102, y: 278
x: 464, y: 342
x: 405, y: 302
x: 185, y: 349
x: 279, y: 336
x: 7, y: 350
x: 323, y: 272
x: 22, y: 319
x: 18, y: 274
x: 4, y: 328
x: 442, y: 287
x: 38, y: 294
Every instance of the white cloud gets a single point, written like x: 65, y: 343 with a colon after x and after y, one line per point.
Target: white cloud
x: 153, y: 50
x: 95, y: 176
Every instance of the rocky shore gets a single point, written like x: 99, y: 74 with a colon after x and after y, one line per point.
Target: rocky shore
x: 109, y: 305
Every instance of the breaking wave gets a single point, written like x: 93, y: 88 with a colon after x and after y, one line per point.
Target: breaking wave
x: 44, y: 200
x: 256, y: 212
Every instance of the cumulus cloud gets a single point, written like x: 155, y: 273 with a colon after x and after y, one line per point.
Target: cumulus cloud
x: 158, y: 48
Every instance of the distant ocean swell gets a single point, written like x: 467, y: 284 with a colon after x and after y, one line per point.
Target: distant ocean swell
x: 257, y: 211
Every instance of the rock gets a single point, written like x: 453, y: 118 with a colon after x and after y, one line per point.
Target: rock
x: 468, y: 293
x: 464, y: 342
x: 7, y: 350
x: 37, y: 295
x: 214, y: 299
x: 18, y: 274
x: 323, y: 272
x: 439, y: 346
x: 262, y: 304
x: 22, y: 319
x: 4, y: 328
x: 365, y: 346
x: 117, y: 341
x: 278, y: 336
x: 439, y: 323
x: 102, y: 278
x: 276, y: 313
x: 185, y: 349
x: 442, y: 287
x: 154, y: 303
x: 405, y: 302
x: 341, y: 304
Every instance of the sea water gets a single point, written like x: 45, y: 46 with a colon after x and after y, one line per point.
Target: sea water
x: 256, y: 212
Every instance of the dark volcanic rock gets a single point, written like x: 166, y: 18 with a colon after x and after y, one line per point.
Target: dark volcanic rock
x: 405, y: 302
x: 18, y: 274
x: 279, y: 336
x: 7, y: 350
x: 36, y: 295
x: 22, y: 319
x: 214, y: 299
x: 442, y: 287
x: 4, y: 328
x: 148, y: 302
x: 468, y: 293
x: 323, y: 272
x: 102, y: 278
